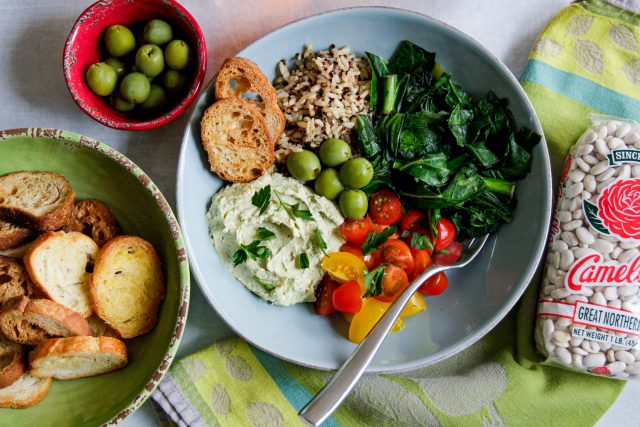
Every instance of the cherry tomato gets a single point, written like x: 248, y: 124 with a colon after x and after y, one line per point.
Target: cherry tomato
x: 385, y: 207
x: 354, y: 250
x: 394, y: 281
x: 421, y: 260
x: 446, y: 234
x: 449, y: 255
x: 434, y: 285
x: 347, y: 298
x: 324, y: 293
x: 415, y: 305
x: 379, y: 228
x: 356, y: 230
x: 343, y: 267
x: 362, y: 323
x: 373, y: 260
x: 411, y: 221
x: 396, y: 252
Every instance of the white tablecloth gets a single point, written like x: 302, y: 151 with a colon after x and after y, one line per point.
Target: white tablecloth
x: 33, y: 94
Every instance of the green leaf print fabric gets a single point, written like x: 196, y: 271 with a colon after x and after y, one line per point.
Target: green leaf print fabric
x: 586, y: 60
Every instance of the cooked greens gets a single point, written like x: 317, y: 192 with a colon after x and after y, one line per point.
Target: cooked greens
x: 438, y: 149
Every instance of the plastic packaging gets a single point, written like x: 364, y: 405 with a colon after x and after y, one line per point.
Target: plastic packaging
x: 589, y: 307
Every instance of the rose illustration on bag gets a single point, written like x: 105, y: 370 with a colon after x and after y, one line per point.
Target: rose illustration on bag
x: 618, y: 210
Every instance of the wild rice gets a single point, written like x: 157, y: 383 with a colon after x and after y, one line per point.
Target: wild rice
x: 320, y: 96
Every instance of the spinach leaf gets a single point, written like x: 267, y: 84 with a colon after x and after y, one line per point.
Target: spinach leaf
x: 459, y: 122
x: 485, y: 157
x: 517, y: 161
x: 409, y: 58
x: 451, y: 92
x: 430, y: 169
x: 465, y: 185
x: 382, y: 177
x: 370, y: 144
x: 378, y: 64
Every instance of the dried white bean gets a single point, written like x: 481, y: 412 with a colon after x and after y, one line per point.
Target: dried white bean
x: 616, y: 303
x: 602, y: 148
x: 593, y: 360
x: 564, y: 355
x: 633, y: 368
x: 627, y: 291
x: 578, y: 214
x: 569, y: 238
x: 564, y: 216
x: 611, y: 356
x: 582, y: 165
x: 635, y: 171
x: 604, y: 185
x: 589, y: 183
x: 576, y: 175
x: 616, y: 143
x: 559, y: 245
x: 604, y: 346
x: 587, y: 292
x: 603, y: 131
x: 547, y: 329
x: 563, y: 322
x: 602, y: 246
x: 624, y: 356
x: 616, y: 367
x: 606, y: 175
x: 612, y: 126
x: 628, y: 255
x: 630, y: 244
x: 616, y: 252
x: 590, y: 159
x: 599, y: 299
x: 561, y: 336
x: 599, y: 168
x: 584, y: 149
x: 566, y: 259
x: 574, y: 189
x: 622, y: 130
x: 559, y: 294
x: 580, y: 351
x: 611, y: 293
x: 632, y: 137
x: 628, y: 305
x: 585, y: 236
x: 580, y: 252
x: 576, y: 341
x: 577, y: 361
x: 548, y: 289
x: 575, y: 204
x: 624, y: 172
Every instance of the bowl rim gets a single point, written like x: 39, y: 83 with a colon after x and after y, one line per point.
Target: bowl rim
x: 536, y: 252
x: 69, y: 59
x: 183, y: 263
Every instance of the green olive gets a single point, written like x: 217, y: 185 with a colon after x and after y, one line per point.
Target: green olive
x: 101, y: 78
x: 356, y: 172
x: 303, y: 165
x: 121, y: 105
x: 156, y: 100
x: 334, y: 152
x: 119, y: 40
x: 175, y: 82
x: 353, y: 204
x: 328, y: 184
x: 157, y: 32
x: 150, y: 60
x: 135, y: 88
x: 117, y: 65
x: 177, y: 54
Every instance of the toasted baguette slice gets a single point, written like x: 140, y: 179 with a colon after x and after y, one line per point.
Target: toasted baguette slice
x: 15, y: 327
x: 249, y: 79
x: 127, y: 285
x: 236, y: 139
x: 12, y: 236
x: 77, y: 357
x: 100, y: 327
x: 25, y: 392
x: 12, y: 362
x: 59, y: 265
x: 38, y: 200
x: 93, y: 218
x: 14, y: 279
x: 17, y: 252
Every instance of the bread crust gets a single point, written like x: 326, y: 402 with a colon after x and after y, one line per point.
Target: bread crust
x: 73, y: 347
x: 72, y: 320
x: 12, y: 235
x: 236, y: 153
x: 14, y: 279
x: 23, y: 216
x: 15, y: 327
x: 34, y: 273
x: 94, y: 219
x: 101, y: 281
x: 249, y: 78
x: 16, y: 366
x: 8, y: 398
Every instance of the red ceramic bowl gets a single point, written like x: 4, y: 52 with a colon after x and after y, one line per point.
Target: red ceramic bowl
x: 84, y: 47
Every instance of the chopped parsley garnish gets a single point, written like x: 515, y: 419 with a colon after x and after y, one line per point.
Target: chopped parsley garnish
x: 320, y: 241
x: 262, y: 198
x: 265, y: 234
x: 373, y: 280
x: 253, y: 250
x: 294, y: 211
x: 267, y: 286
x: 302, y: 261
x: 375, y: 239
x: 418, y: 241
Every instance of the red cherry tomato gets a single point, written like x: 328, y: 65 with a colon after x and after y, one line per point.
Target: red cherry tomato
x: 324, y: 294
x: 449, y: 255
x: 355, y: 250
x: 434, y: 285
x: 347, y: 297
x: 411, y: 221
x: 373, y: 260
x: 421, y: 260
x: 446, y: 234
x: 379, y: 228
x: 397, y: 252
x: 356, y: 230
x: 394, y: 281
x: 385, y: 207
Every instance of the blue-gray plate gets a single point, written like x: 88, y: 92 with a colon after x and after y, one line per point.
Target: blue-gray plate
x: 477, y: 298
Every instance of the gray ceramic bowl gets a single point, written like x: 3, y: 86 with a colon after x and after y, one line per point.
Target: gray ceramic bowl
x: 478, y: 297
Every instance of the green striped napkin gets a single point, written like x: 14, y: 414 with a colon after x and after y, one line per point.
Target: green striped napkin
x: 586, y: 60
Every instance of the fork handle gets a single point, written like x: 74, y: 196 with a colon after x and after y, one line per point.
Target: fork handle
x: 337, y: 389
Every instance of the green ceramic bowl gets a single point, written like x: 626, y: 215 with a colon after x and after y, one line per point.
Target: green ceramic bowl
x: 98, y: 171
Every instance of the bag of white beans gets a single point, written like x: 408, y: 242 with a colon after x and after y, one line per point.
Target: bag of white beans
x: 589, y: 307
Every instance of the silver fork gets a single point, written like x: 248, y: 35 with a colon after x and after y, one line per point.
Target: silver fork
x: 337, y: 389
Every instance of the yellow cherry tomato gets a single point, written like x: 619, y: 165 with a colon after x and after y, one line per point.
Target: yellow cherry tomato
x: 343, y: 267
x: 363, y: 321
x: 348, y: 317
x: 415, y: 305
